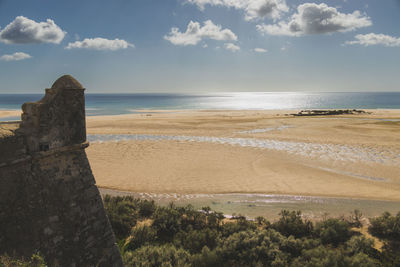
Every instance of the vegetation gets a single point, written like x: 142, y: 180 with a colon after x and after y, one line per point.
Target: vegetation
x: 35, y: 261
x: 387, y: 228
x: 151, y: 235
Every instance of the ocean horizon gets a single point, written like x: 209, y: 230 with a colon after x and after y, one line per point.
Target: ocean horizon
x: 116, y: 104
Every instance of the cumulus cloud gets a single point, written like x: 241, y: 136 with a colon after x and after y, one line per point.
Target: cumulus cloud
x: 25, y: 31
x: 195, y: 33
x: 260, y: 50
x: 100, y: 44
x: 312, y: 18
x: 15, y: 57
x: 375, y: 39
x: 231, y: 47
x: 254, y: 9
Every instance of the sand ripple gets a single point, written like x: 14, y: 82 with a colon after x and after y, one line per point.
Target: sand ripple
x: 327, y: 152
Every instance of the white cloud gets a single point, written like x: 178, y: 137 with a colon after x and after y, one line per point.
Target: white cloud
x: 100, y: 44
x: 195, y: 33
x: 254, y: 9
x: 314, y: 18
x: 260, y: 50
x: 15, y: 57
x: 24, y: 31
x: 231, y: 47
x: 375, y: 39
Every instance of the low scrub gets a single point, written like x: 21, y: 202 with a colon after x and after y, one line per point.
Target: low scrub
x: 151, y: 235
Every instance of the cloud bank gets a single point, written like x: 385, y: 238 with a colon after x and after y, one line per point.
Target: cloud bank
x: 25, y: 31
x: 195, y: 33
x: 375, y: 39
x: 15, y: 57
x: 312, y: 18
x: 254, y: 9
x: 100, y: 44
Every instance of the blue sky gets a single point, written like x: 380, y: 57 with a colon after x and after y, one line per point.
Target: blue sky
x: 217, y: 45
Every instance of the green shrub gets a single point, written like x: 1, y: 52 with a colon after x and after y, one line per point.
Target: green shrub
x: 36, y: 260
x: 386, y: 226
x: 252, y: 248
x: 183, y: 236
x: 146, y: 208
x: 333, y: 231
x: 122, y: 213
x: 195, y: 240
x: 165, y: 256
x: 140, y: 235
x: 291, y: 223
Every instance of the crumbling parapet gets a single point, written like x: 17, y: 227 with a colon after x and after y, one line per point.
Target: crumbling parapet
x: 48, y: 198
x: 58, y: 119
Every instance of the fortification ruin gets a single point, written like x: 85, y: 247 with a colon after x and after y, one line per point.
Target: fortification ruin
x: 49, y: 202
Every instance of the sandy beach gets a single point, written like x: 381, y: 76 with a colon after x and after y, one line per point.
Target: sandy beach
x: 9, y: 113
x: 268, y: 152
x: 356, y: 156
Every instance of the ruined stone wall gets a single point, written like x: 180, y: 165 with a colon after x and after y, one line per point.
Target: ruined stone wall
x: 49, y: 202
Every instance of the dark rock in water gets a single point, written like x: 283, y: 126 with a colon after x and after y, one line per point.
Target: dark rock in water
x: 48, y: 198
x: 315, y: 112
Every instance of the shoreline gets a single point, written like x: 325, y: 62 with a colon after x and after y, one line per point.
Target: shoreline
x: 17, y: 112
x: 121, y: 192
x: 268, y: 206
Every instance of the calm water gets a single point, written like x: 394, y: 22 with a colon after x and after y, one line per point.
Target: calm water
x: 112, y: 104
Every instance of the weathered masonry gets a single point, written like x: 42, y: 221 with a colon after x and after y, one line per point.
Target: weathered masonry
x: 49, y: 202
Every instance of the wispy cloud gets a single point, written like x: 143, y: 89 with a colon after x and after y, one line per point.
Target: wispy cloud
x: 195, y: 33
x: 312, y: 18
x: 254, y: 9
x: 100, y: 44
x: 231, y: 47
x: 375, y: 39
x: 25, y: 31
x: 260, y: 50
x: 15, y: 57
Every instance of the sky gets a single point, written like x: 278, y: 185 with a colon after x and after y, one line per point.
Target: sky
x: 194, y: 46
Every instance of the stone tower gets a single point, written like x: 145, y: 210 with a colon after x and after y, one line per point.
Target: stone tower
x: 49, y: 202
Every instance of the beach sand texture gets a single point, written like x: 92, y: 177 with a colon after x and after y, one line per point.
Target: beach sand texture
x: 192, y: 152
x: 183, y: 151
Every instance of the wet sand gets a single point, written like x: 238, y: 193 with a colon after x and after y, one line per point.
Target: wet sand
x: 192, y: 152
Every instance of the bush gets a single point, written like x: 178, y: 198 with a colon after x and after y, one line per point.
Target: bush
x: 140, y: 235
x: 361, y: 244
x: 333, y: 231
x: 165, y: 256
x: 252, y: 248
x: 146, y: 208
x: 183, y: 236
x: 291, y: 223
x: 167, y: 222
x: 194, y: 241
x: 122, y: 213
x: 386, y: 226
x: 36, y: 260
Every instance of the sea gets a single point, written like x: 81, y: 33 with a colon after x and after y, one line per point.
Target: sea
x: 114, y: 104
